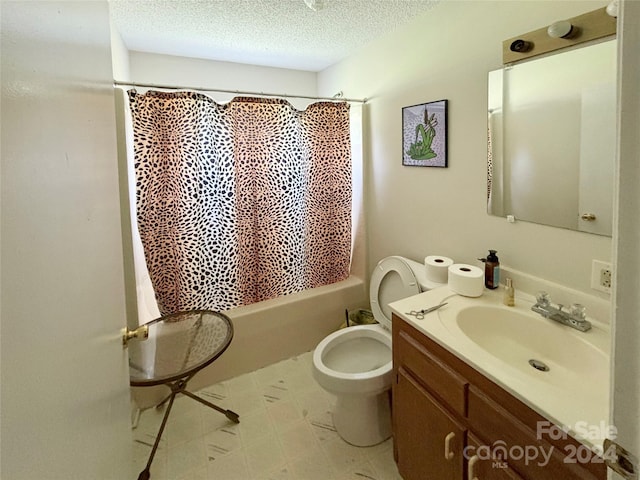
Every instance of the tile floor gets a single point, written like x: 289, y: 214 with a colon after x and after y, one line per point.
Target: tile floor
x: 285, y: 433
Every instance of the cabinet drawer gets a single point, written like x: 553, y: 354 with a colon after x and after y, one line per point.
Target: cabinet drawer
x: 436, y: 376
x: 497, y: 426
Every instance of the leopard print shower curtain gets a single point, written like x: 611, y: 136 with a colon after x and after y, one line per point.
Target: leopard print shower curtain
x: 241, y: 202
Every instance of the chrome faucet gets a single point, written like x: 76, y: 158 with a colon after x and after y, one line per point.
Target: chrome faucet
x: 575, y: 318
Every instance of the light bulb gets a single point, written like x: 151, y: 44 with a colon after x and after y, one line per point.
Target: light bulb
x: 561, y: 29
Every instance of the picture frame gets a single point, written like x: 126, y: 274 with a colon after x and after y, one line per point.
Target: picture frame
x: 424, y: 134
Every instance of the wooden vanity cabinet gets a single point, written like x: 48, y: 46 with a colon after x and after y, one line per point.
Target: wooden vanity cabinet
x: 444, y: 411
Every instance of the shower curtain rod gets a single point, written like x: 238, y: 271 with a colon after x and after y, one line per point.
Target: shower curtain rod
x: 337, y: 97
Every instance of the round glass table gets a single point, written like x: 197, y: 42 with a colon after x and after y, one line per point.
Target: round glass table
x: 179, y: 346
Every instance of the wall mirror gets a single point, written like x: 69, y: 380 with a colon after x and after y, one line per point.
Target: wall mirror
x: 552, y: 131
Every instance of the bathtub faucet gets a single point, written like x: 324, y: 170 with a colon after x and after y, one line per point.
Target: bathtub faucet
x: 576, y: 318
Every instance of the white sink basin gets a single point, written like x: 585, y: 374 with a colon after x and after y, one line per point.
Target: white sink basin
x: 565, y: 358
x: 499, y: 342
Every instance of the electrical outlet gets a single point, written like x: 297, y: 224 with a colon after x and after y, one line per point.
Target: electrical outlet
x: 601, y: 276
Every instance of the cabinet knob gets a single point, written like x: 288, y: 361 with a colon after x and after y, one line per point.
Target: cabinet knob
x: 472, y: 463
x: 588, y: 217
x: 448, y: 454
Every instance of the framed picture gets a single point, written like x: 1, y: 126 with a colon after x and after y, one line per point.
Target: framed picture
x: 424, y: 134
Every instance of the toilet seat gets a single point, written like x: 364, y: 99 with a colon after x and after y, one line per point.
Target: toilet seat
x: 393, y: 279
x: 354, y: 373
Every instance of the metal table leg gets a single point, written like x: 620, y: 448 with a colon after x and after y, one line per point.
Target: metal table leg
x: 233, y: 416
x: 146, y: 473
x: 180, y: 387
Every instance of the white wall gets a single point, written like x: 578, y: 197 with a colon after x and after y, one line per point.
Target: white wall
x: 446, y: 54
x: 119, y: 56
x: 193, y: 72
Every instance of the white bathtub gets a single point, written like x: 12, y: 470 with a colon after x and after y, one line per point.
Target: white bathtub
x: 266, y: 332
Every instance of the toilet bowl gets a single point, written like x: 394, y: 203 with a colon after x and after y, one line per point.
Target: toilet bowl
x: 355, y: 363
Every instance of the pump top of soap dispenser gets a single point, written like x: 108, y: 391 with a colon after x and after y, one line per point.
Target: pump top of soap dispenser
x: 491, y: 258
x: 491, y: 270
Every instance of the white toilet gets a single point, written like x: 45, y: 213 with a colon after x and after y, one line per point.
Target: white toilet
x: 355, y: 363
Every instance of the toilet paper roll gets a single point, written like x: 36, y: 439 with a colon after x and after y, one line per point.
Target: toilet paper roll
x: 437, y: 268
x: 466, y: 280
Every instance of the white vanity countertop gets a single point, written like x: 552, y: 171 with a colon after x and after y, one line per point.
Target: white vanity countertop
x: 582, y: 409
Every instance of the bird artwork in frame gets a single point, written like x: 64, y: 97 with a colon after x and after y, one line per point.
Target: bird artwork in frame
x: 424, y: 134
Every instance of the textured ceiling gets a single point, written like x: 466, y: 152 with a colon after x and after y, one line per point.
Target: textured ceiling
x: 276, y: 33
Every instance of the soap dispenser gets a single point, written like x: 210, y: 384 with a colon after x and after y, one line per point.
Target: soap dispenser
x: 491, y: 270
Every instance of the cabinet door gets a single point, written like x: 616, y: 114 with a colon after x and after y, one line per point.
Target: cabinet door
x: 481, y: 467
x: 428, y: 439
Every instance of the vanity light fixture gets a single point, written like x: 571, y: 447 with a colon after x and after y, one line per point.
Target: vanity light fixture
x: 561, y: 29
x: 594, y: 25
